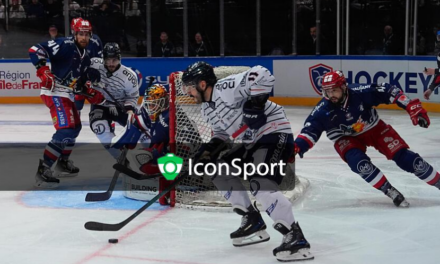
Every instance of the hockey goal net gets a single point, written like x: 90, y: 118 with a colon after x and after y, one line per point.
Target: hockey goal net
x: 188, y: 131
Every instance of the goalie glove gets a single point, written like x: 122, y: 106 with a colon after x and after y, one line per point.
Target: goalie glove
x: 47, y: 78
x: 418, y: 115
x: 149, y: 165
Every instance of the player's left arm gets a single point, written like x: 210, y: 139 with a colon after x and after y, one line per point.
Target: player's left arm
x: 261, y: 83
x: 391, y: 94
x: 131, y: 89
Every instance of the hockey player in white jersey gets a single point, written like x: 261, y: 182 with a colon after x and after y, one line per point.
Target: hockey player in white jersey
x: 119, y: 85
x: 227, y: 105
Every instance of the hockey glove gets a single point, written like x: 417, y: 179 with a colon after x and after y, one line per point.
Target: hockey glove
x: 79, y: 97
x: 253, y: 117
x: 92, y: 95
x: 93, y: 75
x: 142, y: 121
x: 47, y: 77
x: 205, y: 155
x: 130, y: 112
x: 130, y: 118
x: 298, y: 151
x: 417, y: 113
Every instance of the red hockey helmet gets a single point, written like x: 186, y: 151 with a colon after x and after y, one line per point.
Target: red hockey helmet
x: 331, y: 80
x: 82, y: 25
x: 73, y: 22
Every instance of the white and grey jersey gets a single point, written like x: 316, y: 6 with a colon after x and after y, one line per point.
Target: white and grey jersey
x: 121, y: 84
x: 224, y: 112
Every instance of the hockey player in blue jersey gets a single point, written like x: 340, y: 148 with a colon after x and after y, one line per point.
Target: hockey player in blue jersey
x: 94, y: 49
x: 347, y: 116
x: 69, y: 71
x: 152, y: 120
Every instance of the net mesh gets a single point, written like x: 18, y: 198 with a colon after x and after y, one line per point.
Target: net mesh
x: 190, y: 132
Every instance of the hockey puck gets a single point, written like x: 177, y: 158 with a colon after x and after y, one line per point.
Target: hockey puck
x: 113, y: 240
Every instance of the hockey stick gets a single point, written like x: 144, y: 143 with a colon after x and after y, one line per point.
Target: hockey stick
x: 97, y: 226
x: 116, y: 102
x: 104, y: 196
x: 131, y: 173
x: 57, y: 85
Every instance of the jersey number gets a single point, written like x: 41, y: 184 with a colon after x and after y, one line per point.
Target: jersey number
x: 52, y: 44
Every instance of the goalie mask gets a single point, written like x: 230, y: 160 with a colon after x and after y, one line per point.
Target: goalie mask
x: 196, y: 72
x: 112, y: 56
x: 156, y: 100
x: 334, y: 86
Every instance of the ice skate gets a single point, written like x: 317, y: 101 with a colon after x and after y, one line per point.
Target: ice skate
x: 44, y: 177
x: 65, y: 168
x: 294, y: 246
x: 252, y: 229
x: 397, y: 197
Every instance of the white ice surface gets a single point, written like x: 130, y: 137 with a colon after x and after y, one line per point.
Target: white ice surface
x: 344, y: 218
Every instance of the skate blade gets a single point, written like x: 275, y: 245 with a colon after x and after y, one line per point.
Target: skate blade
x: 404, y: 204
x: 255, y: 238
x: 302, y: 254
x: 59, y: 174
x: 46, y: 185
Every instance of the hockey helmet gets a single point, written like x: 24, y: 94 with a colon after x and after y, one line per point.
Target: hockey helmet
x: 331, y: 80
x: 112, y: 50
x: 81, y: 25
x: 72, y: 24
x: 112, y: 56
x: 156, y: 100
x: 198, y: 71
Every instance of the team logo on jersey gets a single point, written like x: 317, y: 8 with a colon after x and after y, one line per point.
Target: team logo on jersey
x: 420, y: 166
x: 365, y: 168
x: 316, y: 73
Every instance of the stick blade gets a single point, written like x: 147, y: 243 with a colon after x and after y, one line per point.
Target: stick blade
x: 98, y: 197
x: 96, y: 226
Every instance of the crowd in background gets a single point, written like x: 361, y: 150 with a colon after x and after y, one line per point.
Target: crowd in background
x: 376, y: 27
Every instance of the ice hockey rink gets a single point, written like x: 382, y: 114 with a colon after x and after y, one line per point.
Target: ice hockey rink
x: 344, y: 219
